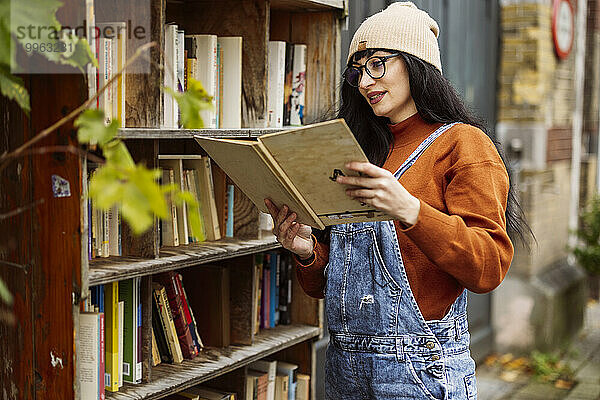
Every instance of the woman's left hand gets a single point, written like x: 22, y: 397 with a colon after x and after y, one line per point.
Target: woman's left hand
x: 379, y: 188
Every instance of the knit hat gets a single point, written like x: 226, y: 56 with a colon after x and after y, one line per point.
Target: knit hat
x: 403, y: 27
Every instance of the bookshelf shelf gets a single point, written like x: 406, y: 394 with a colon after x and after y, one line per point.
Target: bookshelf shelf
x: 170, y: 378
x: 154, y: 133
x: 105, y: 270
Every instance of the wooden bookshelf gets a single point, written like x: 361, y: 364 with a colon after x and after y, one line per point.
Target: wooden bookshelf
x: 50, y: 273
x: 104, y: 270
x: 213, y: 362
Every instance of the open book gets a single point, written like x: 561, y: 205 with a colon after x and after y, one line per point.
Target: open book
x: 297, y: 167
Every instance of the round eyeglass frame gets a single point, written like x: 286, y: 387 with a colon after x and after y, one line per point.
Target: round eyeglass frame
x: 383, y: 59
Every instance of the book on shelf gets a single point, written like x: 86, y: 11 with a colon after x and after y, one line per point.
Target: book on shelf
x: 230, y: 215
x: 97, y: 306
x: 298, y: 85
x: 290, y: 370
x: 111, y: 323
x: 275, y: 84
x: 170, y: 281
x: 258, y: 272
x: 303, y: 387
x: 90, y: 377
x: 175, y: 163
x: 231, y: 81
x: 169, y: 228
x: 202, y: 49
x: 132, y: 363
x: 287, y: 85
x: 159, y: 330
x: 121, y: 317
x: 116, y: 32
x: 183, y: 396
x: 270, y: 368
x: 170, y: 107
x: 90, y: 34
x: 168, y: 326
x: 285, y: 289
x: 210, y: 302
x: 273, y: 258
x: 104, y: 74
x: 297, y: 167
x: 191, y: 185
x: 251, y: 387
x: 266, y: 295
x: 281, y: 386
x: 155, y: 353
x: 206, y: 190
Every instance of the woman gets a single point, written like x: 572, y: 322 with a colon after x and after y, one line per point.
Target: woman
x: 395, y: 290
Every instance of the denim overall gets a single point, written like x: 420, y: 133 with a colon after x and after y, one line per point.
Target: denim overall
x: 380, y: 346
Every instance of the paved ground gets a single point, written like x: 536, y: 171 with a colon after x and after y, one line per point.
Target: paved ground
x: 583, y: 357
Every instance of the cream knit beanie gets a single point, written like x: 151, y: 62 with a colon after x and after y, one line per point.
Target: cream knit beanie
x: 401, y: 26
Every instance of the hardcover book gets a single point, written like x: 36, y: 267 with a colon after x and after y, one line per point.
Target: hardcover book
x: 297, y: 167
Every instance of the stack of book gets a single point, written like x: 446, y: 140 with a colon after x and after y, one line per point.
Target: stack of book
x: 110, y: 329
x: 274, y: 289
x: 104, y: 237
x: 214, y: 61
x: 174, y: 330
x: 286, y: 84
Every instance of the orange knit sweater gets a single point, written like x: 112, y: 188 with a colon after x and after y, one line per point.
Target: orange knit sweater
x: 459, y: 240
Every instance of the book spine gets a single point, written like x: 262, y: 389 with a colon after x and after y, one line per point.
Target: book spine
x: 120, y: 329
x: 231, y: 78
x: 89, y: 345
x: 138, y: 304
x: 102, y: 356
x: 159, y: 329
x: 193, y: 324
x: 287, y: 86
x: 298, y: 85
x: 111, y: 307
x: 276, y: 83
x: 230, y: 192
x: 167, y: 316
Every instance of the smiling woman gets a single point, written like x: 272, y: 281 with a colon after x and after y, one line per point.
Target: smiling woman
x: 396, y: 290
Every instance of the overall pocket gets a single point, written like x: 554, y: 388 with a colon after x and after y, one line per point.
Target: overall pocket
x: 428, y: 375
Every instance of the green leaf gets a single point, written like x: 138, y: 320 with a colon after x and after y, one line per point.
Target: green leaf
x: 116, y: 153
x: 191, y: 102
x: 12, y: 87
x: 5, y: 294
x: 92, y: 129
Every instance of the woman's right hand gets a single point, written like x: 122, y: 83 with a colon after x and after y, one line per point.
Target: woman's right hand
x: 292, y: 235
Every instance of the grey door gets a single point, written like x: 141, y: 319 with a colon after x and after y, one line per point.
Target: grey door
x: 468, y: 44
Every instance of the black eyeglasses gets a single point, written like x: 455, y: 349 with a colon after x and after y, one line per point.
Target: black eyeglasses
x: 375, y: 67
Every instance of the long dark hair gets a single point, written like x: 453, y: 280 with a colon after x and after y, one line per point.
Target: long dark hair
x: 436, y: 102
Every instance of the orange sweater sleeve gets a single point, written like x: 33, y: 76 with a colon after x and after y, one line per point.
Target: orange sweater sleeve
x: 311, y: 275
x: 470, y: 242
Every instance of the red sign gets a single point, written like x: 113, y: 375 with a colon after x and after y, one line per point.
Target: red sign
x: 563, y: 27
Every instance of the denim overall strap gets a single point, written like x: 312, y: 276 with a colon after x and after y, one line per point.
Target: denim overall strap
x: 421, y: 149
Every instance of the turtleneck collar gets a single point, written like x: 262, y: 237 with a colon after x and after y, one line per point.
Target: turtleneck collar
x: 411, y: 130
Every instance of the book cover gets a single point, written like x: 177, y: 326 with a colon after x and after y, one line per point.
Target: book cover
x: 297, y: 167
x: 231, y: 80
x: 170, y: 107
x: 303, y: 387
x: 230, y: 215
x: 88, y: 355
x: 140, y: 357
x: 274, y: 289
x: 169, y: 281
x: 252, y: 384
x: 266, y: 293
x: 166, y: 316
x: 275, y: 84
x: 290, y: 370
x: 285, y: 290
x: 258, y: 273
x: 170, y: 235
x: 298, y: 85
x: 209, y: 394
x: 121, y: 316
x: 209, y: 206
x: 281, y: 386
x: 127, y: 294
x: 191, y: 176
x: 270, y: 367
x: 203, y: 48
x: 111, y: 307
x: 159, y: 329
x: 176, y: 164
x: 287, y: 85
